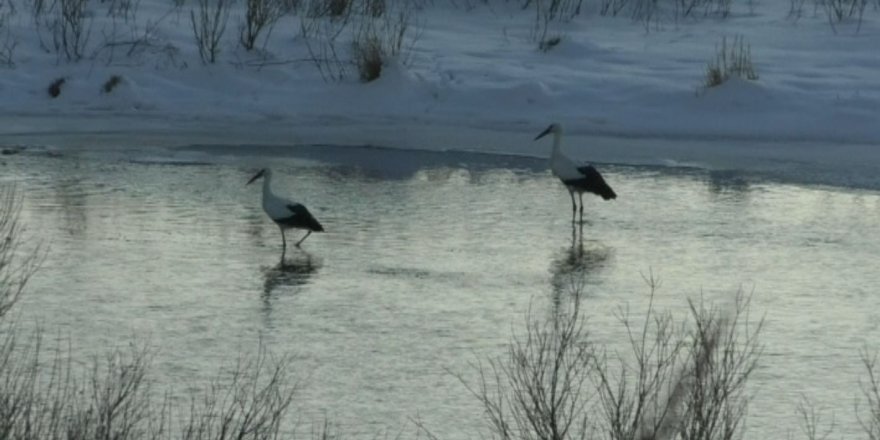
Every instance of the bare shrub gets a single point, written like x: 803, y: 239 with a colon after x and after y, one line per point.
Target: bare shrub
x: 291, y: 6
x: 250, y: 403
x: 55, y: 87
x: 838, y: 11
x: 813, y: 425
x: 723, y: 353
x: 684, y: 380
x: 336, y: 8
x: 329, y: 8
x: 53, y: 399
x: 368, y: 56
x: 374, y: 8
x: 378, y: 30
x: 686, y: 384
x: 637, y: 388
x: 692, y: 8
x: 208, y: 26
x: 260, y: 15
x: 647, y: 12
x: 730, y: 61
x: 8, y: 41
x: 795, y: 9
x: 321, y: 37
x: 379, y: 40
x: 687, y: 8
x: 549, y: 43
x: 112, y: 397
x: 869, y: 416
x: 177, y: 8
x: 139, y: 41
x: 548, y: 15
x: 111, y: 83
x: 540, y: 389
x: 17, y: 264
x: 124, y: 9
x: 653, y: 13
x: 375, y: 41
x: 612, y: 7
x: 38, y: 8
x: 71, y: 28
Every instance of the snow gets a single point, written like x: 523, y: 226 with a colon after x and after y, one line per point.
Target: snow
x: 471, y: 78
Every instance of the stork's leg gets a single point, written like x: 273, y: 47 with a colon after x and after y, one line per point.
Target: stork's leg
x: 573, y: 205
x: 581, y: 195
x: 304, y: 238
x: 581, y: 234
x: 283, y: 244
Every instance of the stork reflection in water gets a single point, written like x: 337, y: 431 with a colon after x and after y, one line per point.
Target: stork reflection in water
x: 291, y: 274
x: 576, y: 266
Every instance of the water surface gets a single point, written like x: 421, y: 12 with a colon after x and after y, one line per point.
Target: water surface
x: 429, y: 262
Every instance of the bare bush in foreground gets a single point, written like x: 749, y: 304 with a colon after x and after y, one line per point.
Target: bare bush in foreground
x: 673, y: 380
x: 17, y: 264
x: 723, y: 354
x: 869, y: 417
x: 638, y: 388
x: 113, y: 398
x: 251, y: 402
x: 540, y: 389
x: 812, y: 423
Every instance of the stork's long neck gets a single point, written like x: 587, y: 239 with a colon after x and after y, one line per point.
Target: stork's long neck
x: 557, y: 144
x: 267, y: 181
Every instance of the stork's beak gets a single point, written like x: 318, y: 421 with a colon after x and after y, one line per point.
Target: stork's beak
x: 544, y: 133
x: 260, y: 174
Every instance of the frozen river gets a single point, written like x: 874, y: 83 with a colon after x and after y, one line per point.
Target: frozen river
x: 430, y: 261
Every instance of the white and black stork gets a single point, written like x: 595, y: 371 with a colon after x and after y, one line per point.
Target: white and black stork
x: 576, y: 178
x: 287, y: 214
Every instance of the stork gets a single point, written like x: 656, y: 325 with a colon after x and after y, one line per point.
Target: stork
x: 576, y: 178
x: 287, y: 214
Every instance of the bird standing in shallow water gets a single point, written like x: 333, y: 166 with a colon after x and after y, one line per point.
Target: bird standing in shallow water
x: 287, y: 214
x: 576, y: 178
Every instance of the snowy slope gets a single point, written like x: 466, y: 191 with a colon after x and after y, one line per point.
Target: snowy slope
x: 473, y: 79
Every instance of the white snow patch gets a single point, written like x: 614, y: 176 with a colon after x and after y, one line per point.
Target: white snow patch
x: 472, y: 80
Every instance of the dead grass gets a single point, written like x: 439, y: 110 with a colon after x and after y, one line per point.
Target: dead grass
x: 734, y: 60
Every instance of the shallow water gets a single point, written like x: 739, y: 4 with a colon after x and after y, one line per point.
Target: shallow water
x: 429, y: 262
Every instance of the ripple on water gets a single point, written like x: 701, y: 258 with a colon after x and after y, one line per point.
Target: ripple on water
x: 428, y: 268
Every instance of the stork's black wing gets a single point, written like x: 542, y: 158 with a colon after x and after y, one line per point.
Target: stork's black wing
x: 592, y: 182
x: 301, y: 218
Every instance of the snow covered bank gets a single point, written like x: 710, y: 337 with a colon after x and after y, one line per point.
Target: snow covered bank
x: 473, y: 79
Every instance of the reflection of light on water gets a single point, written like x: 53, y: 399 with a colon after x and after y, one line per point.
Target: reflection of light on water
x: 425, y: 270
